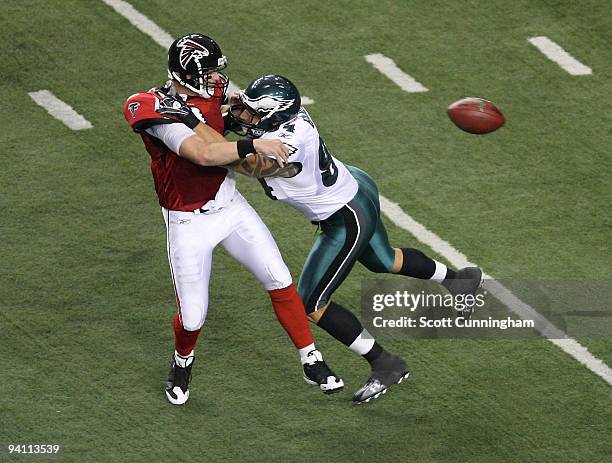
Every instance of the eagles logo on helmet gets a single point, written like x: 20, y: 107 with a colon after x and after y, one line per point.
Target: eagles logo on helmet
x: 267, y: 103
x: 273, y: 99
x: 195, y: 61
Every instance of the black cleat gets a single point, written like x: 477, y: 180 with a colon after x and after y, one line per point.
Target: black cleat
x: 467, y: 281
x: 387, y: 370
x: 177, y: 385
x: 317, y: 373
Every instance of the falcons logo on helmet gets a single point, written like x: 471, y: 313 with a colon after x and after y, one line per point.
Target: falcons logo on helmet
x: 267, y: 103
x: 191, y: 50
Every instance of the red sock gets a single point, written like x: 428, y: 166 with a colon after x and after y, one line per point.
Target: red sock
x: 291, y: 314
x: 184, y: 341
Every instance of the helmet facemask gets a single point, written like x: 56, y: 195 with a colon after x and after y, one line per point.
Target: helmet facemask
x: 202, y: 81
x: 257, y: 124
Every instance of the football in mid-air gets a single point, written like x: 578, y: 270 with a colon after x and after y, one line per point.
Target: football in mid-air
x: 476, y: 115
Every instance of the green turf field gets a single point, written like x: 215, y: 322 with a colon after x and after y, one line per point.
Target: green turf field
x: 86, y: 299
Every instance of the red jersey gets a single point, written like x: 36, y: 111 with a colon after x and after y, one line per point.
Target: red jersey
x: 180, y: 184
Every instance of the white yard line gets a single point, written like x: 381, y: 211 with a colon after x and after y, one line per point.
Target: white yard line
x: 555, y: 53
x: 60, y: 110
x: 141, y: 22
x: 523, y: 310
x: 159, y: 36
x: 388, y: 67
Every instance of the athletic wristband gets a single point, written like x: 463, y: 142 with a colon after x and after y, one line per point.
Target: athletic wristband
x: 191, y: 121
x: 245, y: 147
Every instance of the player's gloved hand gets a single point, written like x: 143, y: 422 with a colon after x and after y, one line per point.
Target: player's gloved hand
x: 175, y: 107
x: 272, y: 148
x: 234, y: 98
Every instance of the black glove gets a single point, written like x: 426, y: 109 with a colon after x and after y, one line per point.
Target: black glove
x: 175, y: 107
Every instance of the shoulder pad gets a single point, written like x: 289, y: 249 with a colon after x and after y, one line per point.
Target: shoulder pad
x: 139, y: 112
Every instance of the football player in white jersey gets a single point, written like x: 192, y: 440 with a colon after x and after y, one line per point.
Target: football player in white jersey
x: 344, y: 201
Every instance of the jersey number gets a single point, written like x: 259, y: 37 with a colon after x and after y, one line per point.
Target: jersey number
x: 329, y: 171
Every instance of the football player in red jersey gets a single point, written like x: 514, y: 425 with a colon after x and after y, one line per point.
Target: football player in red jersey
x: 181, y: 125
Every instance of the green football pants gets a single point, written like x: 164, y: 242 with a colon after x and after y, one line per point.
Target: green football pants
x: 353, y: 233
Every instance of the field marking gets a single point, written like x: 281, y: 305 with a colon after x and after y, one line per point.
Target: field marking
x: 388, y: 67
x: 145, y: 25
x: 141, y: 22
x: 60, y: 110
x: 555, y: 53
x: 503, y: 294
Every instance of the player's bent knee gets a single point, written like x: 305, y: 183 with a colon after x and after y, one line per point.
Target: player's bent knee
x: 192, y: 323
x: 377, y: 269
x: 194, y: 327
x: 278, y: 275
x: 314, y: 306
x: 306, y: 296
x: 386, y: 262
x: 193, y: 315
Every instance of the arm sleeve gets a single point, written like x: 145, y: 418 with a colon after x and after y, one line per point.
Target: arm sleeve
x: 171, y: 135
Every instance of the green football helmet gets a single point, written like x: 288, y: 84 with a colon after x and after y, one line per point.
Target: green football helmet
x: 274, y: 99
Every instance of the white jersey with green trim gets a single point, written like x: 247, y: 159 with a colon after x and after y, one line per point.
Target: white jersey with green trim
x: 323, y: 185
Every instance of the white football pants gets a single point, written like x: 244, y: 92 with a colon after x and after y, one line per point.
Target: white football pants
x: 192, y: 239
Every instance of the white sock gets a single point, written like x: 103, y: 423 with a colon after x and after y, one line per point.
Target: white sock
x: 304, y: 351
x: 440, y: 273
x: 183, y: 361
x: 363, y: 343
